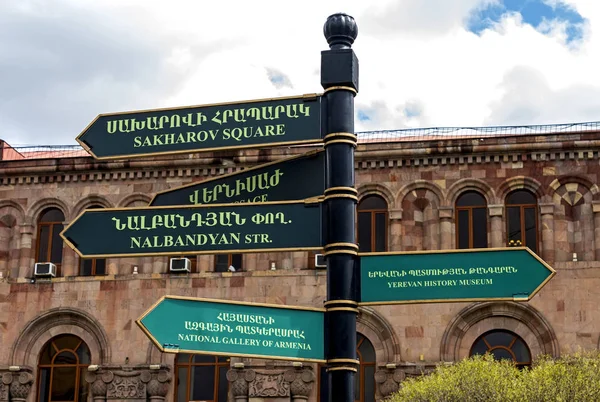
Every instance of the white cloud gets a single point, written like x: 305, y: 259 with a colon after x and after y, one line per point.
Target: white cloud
x: 419, y: 66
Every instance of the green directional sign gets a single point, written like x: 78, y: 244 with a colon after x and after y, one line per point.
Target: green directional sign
x: 295, y: 178
x: 246, y: 124
x: 206, y: 229
x: 219, y: 327
x: 451, y: 276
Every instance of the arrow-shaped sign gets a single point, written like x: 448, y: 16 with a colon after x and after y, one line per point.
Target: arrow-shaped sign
x: 295, y: 178
x: 221, y: 327
x: 207, y: 229
x: 452, y: 276
x: 234, y: 125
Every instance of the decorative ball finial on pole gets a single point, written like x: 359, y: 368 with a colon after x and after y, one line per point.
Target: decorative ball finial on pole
x: 340, y: 30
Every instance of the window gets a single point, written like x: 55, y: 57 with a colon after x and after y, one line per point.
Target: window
x: 92, y: 266
x: 61, y: 370
x: 224, y: 261
x: 521, y: 219
x: 364, y: 386
x: 49, y: 243
x: 503, y: 345
x: 201, y: 378
x: 471, y: 220
x: 372, y: 224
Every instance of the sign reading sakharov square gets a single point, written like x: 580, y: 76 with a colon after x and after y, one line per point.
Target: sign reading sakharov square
x: 247, y: 124
x: 452, y: 276
x: 222, y: 228
x: 294, y: 178
x: 220, y: 327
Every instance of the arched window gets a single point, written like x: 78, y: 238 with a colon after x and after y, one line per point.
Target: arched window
x: 521, y: 219
x: 224, y: 261
x: 471, y: 220
x: 49, y: 243
x: 503, y: 344
x: 372, y: 224
x: 92, y: 266
x: 201, y: 378
x: 364, y: 386
x: 61, y: 370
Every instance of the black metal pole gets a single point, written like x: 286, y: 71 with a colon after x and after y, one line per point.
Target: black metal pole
x: 339, y: 78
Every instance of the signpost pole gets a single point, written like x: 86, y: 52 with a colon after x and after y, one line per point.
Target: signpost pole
x: 339, y: 78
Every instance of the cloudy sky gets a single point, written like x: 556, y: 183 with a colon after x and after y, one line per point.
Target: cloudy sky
x: 423, y: 63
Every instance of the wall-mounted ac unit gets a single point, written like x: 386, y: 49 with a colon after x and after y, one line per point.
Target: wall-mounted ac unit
x: 180, y: 265
x: 44, y: 269
x: 320, y: 261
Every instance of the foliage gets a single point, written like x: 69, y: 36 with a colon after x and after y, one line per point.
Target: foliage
x: 571, y: 378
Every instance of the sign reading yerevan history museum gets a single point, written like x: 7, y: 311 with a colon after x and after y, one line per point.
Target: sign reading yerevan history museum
x: 422, y: 277
x: 251, y: 124
x: 146, y: 231
x: 187, y: 325
x: 294, y: 178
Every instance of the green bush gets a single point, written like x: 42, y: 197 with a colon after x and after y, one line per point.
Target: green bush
x: 572, y: 378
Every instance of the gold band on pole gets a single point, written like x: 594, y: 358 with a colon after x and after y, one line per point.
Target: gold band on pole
x: 351, y: 309
x: 351, y: 361
x: 342, y: 134
x: 351, y: 245
x: 329, y: 302
x: 349, y: 142
x: 340, y: 251
x: 346, y: 368
x: 330, y: 196
x: 341, y: 87
x: 347, y: 189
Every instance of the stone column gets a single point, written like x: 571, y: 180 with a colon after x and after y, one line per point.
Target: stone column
x: 158, y: 386
x: 5, y: 237
x: 388, y: 379
x: 301, y: 382
x: 70, y: 260
x: 395, y: 240
x: 446, y: 214
x: 547, y: 227
x: 97, y: 386
x: 15, y: 384
x: 496, y: 230
x: 27, y: 250
x: 596, y: 210
x: 239, y: 378
x: 14, y: 252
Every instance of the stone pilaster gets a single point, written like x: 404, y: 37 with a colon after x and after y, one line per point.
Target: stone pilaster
x: 27, y: 250
x: 301, y: 381
x: 446, y: 215
x: 129, y: 383
x: 596, y: 210
x: 15, y: 383
x: 388, y: 379
x: 496, y: 228
x: 70, y: 261
x: 239, y: 378
x: 395, y: 228
x: 547, y: 229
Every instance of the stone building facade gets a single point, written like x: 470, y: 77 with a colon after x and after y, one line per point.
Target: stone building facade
x: 75, y: 336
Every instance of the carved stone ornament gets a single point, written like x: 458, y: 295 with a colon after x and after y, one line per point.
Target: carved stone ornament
x: 269, y: 384
x: 158, y: 385
x: 16, y: 385
x: 301, y: 382
x: 389, y: 380
x: 126, y: 385
x: 239, y: 384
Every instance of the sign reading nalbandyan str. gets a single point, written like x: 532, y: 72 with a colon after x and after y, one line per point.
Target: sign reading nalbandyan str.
x: 221, y: 228
x: 452, y: 276
x: 295, y: 178
x: 219, y: 327
x: 247, y: 124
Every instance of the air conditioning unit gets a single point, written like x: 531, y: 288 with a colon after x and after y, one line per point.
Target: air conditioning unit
x: 180, y: 265
x: 44, y: 269
x: 320, y: 261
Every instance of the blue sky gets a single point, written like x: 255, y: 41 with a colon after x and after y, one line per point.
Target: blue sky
x: 423, y: 63
x: 532, y: 12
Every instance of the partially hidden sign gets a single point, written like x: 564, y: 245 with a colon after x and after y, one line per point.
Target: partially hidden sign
x: 246, y: 124
x: 295, y: 178
x: 220, y: 327
x: 515, y: 274
x: 222, y: 228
